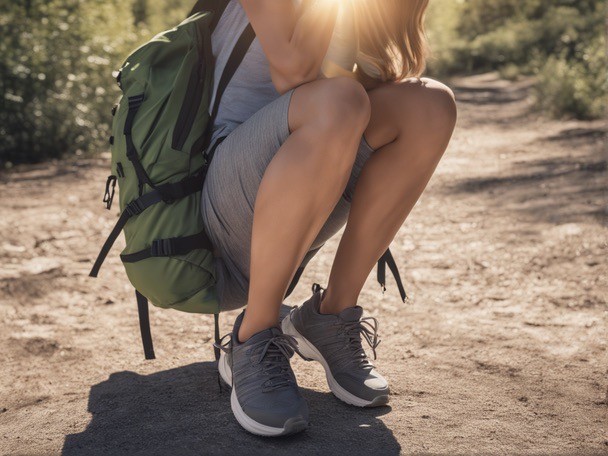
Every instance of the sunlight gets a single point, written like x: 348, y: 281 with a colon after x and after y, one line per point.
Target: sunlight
x: 327, y: 3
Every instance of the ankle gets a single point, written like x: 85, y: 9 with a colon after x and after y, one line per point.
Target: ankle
x: 244, y: 334
x: 248, y: 329
x: 331, y: 305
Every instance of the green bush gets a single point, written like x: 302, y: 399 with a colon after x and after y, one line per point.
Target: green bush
x: 56, y: 64
x: 561, y: 42
x: 574, y: 88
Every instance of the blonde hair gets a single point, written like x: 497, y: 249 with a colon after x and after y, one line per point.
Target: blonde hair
x: 392, y: 40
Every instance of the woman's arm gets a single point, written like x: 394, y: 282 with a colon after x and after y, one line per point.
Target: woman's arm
x: 295, y: 44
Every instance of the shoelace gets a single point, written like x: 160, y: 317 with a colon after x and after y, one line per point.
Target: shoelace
x: 274, y: 360
x: 224, y: 346
x: 366, y: 328
x: 272, y: 357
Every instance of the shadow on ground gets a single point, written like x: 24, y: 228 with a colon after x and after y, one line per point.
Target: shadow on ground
x: 491, y: 95
x: 181, y: 411
x: 557, y: 189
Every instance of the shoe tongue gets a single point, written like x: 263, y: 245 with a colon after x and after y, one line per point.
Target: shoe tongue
x: 351, y: 313
x: 264, y: 335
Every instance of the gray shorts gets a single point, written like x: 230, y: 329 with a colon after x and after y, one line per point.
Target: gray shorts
x: 231, y: 187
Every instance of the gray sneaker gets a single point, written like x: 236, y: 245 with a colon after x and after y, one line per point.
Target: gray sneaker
x: 265, y: 398
x: 335, y: 342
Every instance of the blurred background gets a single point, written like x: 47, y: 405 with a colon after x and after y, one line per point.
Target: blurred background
x: 57, y: 58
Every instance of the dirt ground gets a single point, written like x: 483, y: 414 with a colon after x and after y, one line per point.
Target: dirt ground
x: 502, y: 349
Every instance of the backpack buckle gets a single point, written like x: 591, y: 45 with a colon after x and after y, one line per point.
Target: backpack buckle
x: 119, y: 79
x: 161, y: 248
x: 134, y: 208
x: 108, y: 195
x: 167, y: 199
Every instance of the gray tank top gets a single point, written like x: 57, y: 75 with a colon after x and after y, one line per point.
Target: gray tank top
x: 251, y: 87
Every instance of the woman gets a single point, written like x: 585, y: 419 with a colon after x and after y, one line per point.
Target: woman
x: 303, y: 155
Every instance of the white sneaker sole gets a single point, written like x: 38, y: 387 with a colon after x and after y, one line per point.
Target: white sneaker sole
x: 292, y: 425
x: 224, y: 368
x: 309, y: 351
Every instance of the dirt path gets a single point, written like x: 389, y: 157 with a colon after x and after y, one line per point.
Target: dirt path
x: 502, y: 349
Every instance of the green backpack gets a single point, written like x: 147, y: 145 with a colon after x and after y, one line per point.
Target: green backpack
x: 160, y: 139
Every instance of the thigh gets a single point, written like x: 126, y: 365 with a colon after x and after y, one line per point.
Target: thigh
x: 231, y: 186
x: 229, y: 193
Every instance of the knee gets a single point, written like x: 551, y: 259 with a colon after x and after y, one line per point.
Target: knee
x: 418, y: 106
x: 438, y: 105
x: 340, y: 112
x: 343, y: 107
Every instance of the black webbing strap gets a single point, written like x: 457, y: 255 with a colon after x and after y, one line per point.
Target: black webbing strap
x: 144, y: 325
x: 387, y: 259
x: 170, y: 247
x: 294, y: 281
x: 217, y: 7
x: 175, y: 191
x: 296, y: 277
x: 235, y: 59
x: 211, y: 150
x: 142, y: 177
x: 171, y: 192
x: 135, y: 207
x: 216, y: 335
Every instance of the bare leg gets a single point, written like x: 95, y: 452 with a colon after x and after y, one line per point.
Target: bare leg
x: 300, y: 187
x: 410, y: 128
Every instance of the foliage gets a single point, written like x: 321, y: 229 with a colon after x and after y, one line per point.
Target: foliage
x: 574, y: 86
x: 57, y: 58
x: 560, y: 41
x: 56, y: 63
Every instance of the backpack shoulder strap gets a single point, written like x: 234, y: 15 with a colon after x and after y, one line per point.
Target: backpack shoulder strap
x: 235, y: 59
x: 215, y: 6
